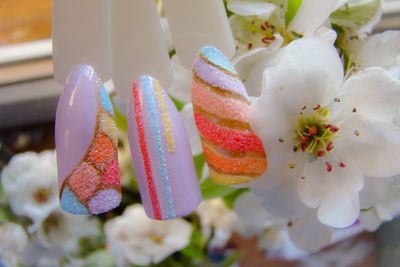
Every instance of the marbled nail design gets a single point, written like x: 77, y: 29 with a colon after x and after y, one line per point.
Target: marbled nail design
x: 161, y: 153
x: 86, y: 145
x: 222, y: 111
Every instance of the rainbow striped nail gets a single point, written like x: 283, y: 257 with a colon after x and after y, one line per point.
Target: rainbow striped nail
x: 222, y: 111
x: 161, y: 153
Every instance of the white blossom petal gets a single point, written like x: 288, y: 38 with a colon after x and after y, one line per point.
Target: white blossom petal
x: 380, y: 50
x: 308, y: 226
x: 182, y: 81
x: 326, y: 34
x: 251, y: 64
x: 339, y: 206
x: 249, y: 209
x: 373, y: 145
x: 311, y: 15
x: 263, y: 10
x: 370, y: 220
x: 281, y: 200
x: 374, y: 189
x: 191, y: 129
x: 373, y: 93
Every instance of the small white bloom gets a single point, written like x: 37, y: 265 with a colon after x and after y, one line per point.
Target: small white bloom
x: 214, y: 213
x: 135, y: 238
x: 30, y: 184
x: 62, y: 230
x: 13, y: 240
x: 323, y: 135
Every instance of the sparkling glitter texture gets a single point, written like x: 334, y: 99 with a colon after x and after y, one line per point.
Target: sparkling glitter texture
x: 218, y: 105
x: 222, y: 109
x: 164, y: 164
x: 93, y: 186
x: 168, y: 133
x: 156, y: 133
x: 218, y: 78
x: 217, y: 58
x: 229, y: 139
x: 143, y: 149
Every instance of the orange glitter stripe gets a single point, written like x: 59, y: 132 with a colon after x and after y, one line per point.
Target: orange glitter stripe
x: 238, y: 166
x: 227, y: 108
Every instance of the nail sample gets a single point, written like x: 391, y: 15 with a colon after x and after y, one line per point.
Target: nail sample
x: 86, y: 144
x: 161, y: 153
x: 222, y: 111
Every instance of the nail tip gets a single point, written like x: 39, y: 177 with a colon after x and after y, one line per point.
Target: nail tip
x: 216, y: 57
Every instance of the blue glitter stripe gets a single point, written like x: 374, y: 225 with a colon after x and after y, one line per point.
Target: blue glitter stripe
x: 105, y: 100
x: 217, y: 58
x: 70, y: 203
x: 161, y: 161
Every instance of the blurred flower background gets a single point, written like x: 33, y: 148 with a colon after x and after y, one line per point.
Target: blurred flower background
x: 299, y: 60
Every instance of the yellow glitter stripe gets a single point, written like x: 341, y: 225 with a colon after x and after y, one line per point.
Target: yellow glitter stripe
x: 228, y: 179
x: 168, y: 133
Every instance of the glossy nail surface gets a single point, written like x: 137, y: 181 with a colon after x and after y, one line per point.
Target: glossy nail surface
x: 161, y: 153
x: 86, y: 145
x: 222, y: 111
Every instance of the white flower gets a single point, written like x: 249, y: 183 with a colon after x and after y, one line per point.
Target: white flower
x: 214, y: 213
x: 62, y: 230
x: 30, y: 183
x: 134, y: 238
x: 323, y: 135
x: 259, y: 30
x: 13, y: 240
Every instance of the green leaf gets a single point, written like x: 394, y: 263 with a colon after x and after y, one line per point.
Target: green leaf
x: 120, y: 121
x: 356, y: 15
x: 211, y: 190
x: 231, y: 198
x: 196, y: 248
x: 292, y: 8
x: 232, y: 258
x: 3, y: 215
x: 199, y: 161
x: 179, y: 105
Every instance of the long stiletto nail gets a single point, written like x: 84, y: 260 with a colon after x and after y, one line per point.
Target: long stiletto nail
x: 161, y: 154
x: 86, y: 145
x: 222, y: 110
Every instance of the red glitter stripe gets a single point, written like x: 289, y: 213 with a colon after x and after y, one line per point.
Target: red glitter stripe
x: 229, y: 139
x: 145, y: 154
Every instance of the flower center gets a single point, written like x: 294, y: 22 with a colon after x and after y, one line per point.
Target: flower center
x: 315, y: 135
x: 42, y: 195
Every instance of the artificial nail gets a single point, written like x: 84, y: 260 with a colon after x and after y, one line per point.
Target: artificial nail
x: 86, y: 144
x: 161, y: 153
x: 222, y: 111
